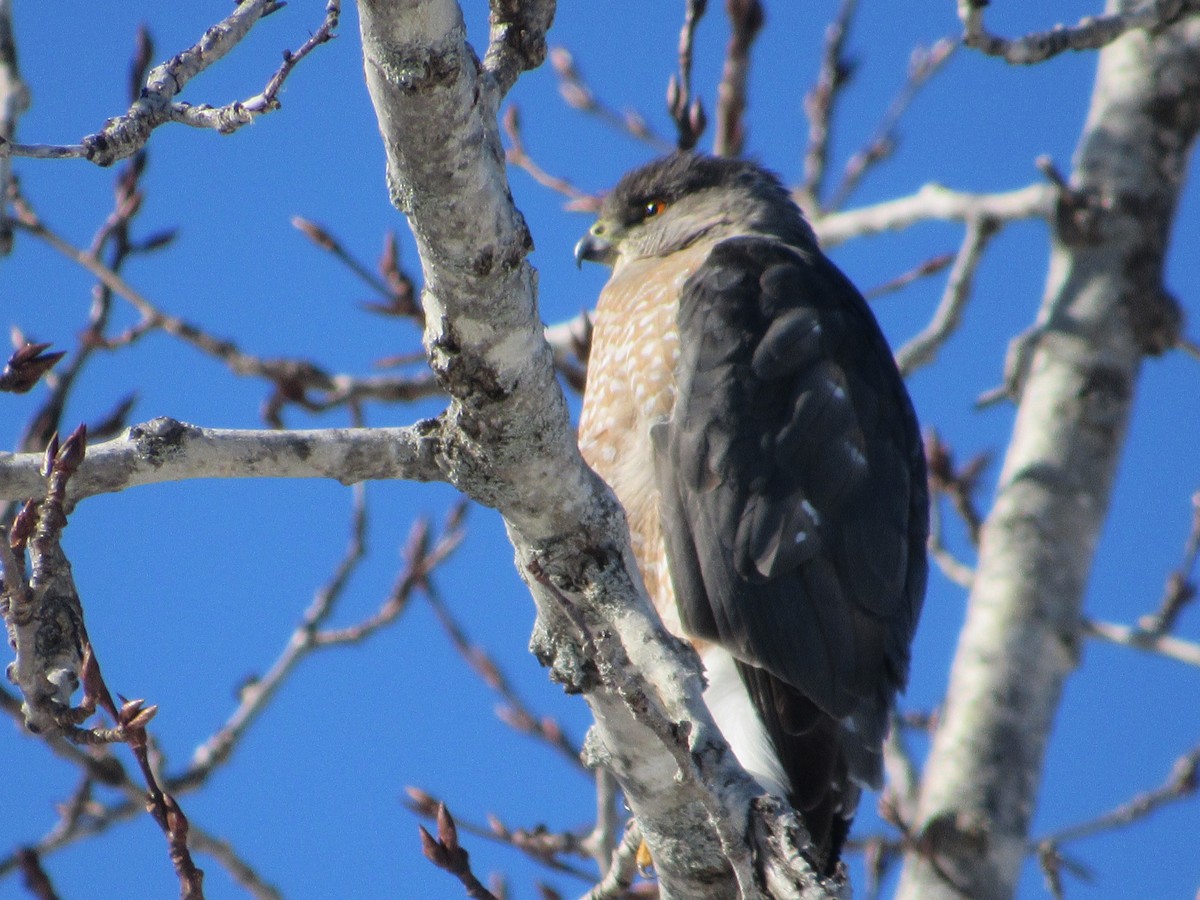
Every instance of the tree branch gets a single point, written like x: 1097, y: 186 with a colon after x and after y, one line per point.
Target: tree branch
x: 1021, y: 638
x: 166, y: 450
x: 1090, y: 33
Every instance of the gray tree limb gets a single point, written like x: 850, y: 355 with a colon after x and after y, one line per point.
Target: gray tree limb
x: 1104, y: 308
x: 166, y: 450
x: 506, y: 441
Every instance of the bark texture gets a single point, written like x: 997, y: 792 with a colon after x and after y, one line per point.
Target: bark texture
x: 1104, y: 308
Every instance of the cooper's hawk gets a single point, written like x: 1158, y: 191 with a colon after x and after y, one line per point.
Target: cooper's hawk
x: 745, y: 408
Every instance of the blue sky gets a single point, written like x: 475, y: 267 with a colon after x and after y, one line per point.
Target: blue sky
x: 190, y: 588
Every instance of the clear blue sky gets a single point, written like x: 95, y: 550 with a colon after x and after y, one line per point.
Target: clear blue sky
x: 190, y: 588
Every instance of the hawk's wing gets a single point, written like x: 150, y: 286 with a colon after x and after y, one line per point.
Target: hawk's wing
x: 793, y: 491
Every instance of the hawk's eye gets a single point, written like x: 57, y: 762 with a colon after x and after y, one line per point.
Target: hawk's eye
x: 653, y: 208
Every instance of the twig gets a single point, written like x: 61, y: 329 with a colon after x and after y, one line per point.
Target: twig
x: 687, y: 112
x: 293, y: 379
x: 935, y: 202
x: 445, y: 852
x: 36, y: 881
x: 124, y: 135
x: 957, y: 483
x: 14, y: 100
x: 257, y: 694
x: 1161, y: 644
x: 745, y: 21
x: 1181, y: 782
x: 923, y: 65
x: 819, y: 103
x: 1090, y: 33
x: 1180, y: 588
x: 931, y: 266
x: 580, y: 201
x: 539, y: 843
x: 114, y: 236
x: 922, y: 349
x: 516, y: 712
x: 577, y: 94
x: 239, y: 870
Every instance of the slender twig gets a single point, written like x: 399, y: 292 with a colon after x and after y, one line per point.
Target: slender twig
x: 578, y: 94
x: 294, y: 380
x: 923, y: 65
x: 539, y: 843
x: 745, y: 21
x: 819, y: 103
x: 1160, y: 644
x: 1183, y: 781
x: 1180, y: 588
x: 580, y: 201
x: 239, y: 869
x: 958, y: 483
x: 922, y: 349
x: 257, y: 694
x: 1089, y: 34
x: 124, y: 135
x: 931, y: 266
x: 515, y: 712
x: 446, y: 853
x: 687, y: 112
x: 114, y: 236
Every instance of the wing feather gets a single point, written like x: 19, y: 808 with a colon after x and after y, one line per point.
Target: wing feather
x: 793, y: 489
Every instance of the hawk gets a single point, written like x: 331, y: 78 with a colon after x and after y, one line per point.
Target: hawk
x: 744, y: 406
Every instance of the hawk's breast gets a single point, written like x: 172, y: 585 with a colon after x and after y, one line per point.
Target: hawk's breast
x: 630, y: 388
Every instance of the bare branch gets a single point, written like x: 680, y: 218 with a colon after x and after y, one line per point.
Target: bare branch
x: 577, y: 94
x: 580, y: 201
x: 819, y: 104
x: 293, y: 379
x: 539, y: 843
x: 1090, y: 33
x: 745, y: 21
x: 1180, y: 588
x: 166, y: 450
x: 124, y: 135
x: 687, y: 112
x: 14, y: 100
x: 936, y: 203
x: 923, y: 65
x: 922, y: 349
x: 445, y: 852
x: 1160, y: 644
x: 1182, y: 782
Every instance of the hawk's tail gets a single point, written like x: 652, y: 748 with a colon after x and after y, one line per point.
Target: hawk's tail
x: 811, y: 746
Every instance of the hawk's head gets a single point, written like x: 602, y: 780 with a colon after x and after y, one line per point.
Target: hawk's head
x: 680, y: 199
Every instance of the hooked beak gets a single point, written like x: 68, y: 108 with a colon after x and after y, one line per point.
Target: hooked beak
x: 594, y: 249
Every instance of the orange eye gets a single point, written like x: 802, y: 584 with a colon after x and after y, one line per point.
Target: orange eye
x: 654, y: 208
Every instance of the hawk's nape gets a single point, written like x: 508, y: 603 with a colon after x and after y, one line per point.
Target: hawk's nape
x: 745, y: 407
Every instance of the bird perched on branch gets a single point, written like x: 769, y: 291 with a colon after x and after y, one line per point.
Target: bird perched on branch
x: 746, y: 410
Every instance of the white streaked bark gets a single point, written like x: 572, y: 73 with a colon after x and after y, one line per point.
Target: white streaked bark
x: 1104, y: 308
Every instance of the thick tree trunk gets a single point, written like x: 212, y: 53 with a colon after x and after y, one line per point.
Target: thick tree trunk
x: 1104, y: 308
